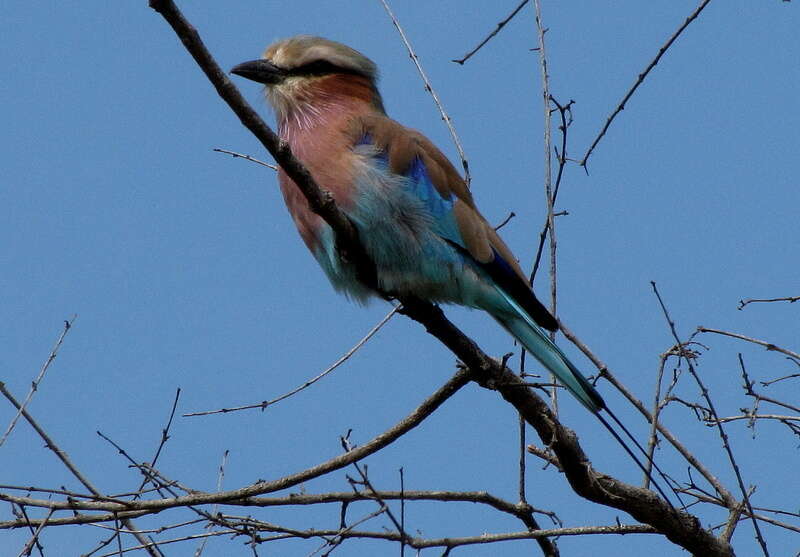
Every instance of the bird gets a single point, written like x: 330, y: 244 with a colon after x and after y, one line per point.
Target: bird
x: 413, y: 211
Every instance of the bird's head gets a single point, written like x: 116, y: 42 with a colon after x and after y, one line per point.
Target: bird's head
x: 306, y: 74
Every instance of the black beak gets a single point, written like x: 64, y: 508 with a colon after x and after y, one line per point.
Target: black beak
x: 262, y: 71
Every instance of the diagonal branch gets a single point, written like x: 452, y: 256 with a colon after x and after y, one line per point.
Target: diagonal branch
x: 723, y: 435
x: 65, y: 459
x: 640, y: 79
x: 342, y: 359
x: 429, y: 88
x: 491, y: 35
x: 35, y: 383
x: 605, y: 371
x: 428, y: 406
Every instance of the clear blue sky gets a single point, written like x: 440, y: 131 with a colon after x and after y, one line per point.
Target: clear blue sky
x: 185, y: 270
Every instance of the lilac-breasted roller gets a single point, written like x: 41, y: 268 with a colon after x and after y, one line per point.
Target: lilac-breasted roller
x: 413, y: 211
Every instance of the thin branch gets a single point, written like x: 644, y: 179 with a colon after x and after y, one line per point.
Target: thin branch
x: 34, y: 540
x: 640, y: 79
x: 164, y: 435
x: 734, y: 517
x: 487, y: 538
x: 785, y: 377
x: 652, y: 438
x: 147, y: 478
x: 565, y: 114
x: 402, y: 510
x: 340, y: 536
x: 158, y: 529
x: 346, y: 356
x: 49, y: 443
x: 420, y: 543
x: 723, y: 435
x: 220, y: 479
x: 758, y: 397
x: 769, y: 520
x: 374, y: 493
x: 765, y: 344
x: 428, y: 406
x: 545, y: 455
x: 790, y: 299
x: 606, y: 372
x: 429, y: 88
x: 491, y: 35
x: 61, y: 454
x: 548, y: 184
x: 150, y: 546
x: 236, y: 155
x: 153, y: 475
x: 505, y: 221
x: 520, y: 511
x: 779, y: 417
x: 35, y: 383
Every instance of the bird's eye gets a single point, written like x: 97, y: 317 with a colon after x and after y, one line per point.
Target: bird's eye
x: 317, y: 67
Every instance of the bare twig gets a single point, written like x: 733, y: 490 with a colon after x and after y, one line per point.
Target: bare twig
x: 779, y: 417
x: 151, y: 545
x: 307, y: 499
x: 785, y: 377
x: 763, y: 518
x: 164, y: 435
x: 565, y: 114
x: 402, y: 510
x: 49, y: 443
x: 668, y: 435
x: 491, y: 35
x: 341, y: 535
x: 548, y: 184
x: 35, y: 383
x: 162, y: 528
x: 652, y: 439
x: 545, y: 455
x: 733, y: 518
x: 723, y: 435
x: 765, y: 344
x: 547, y: 143
x: 506, y: 220
x: 34, y: 540
x: 790, y: 299
x: 428, y: 406
x: 429, y: 88
x: 62, y: 455
x: 345, y: 441
x: 346, y: 356
x: 641, y: 77
x: 220, y: 478
x: 235, y: 155
x: 418, y: 543
x: 758, y: 397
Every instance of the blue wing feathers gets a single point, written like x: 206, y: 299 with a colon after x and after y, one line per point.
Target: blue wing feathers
x: 411, y: 232
x: 516, y: 292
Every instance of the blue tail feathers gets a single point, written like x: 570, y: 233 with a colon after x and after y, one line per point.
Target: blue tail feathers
x: 535, y: 341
